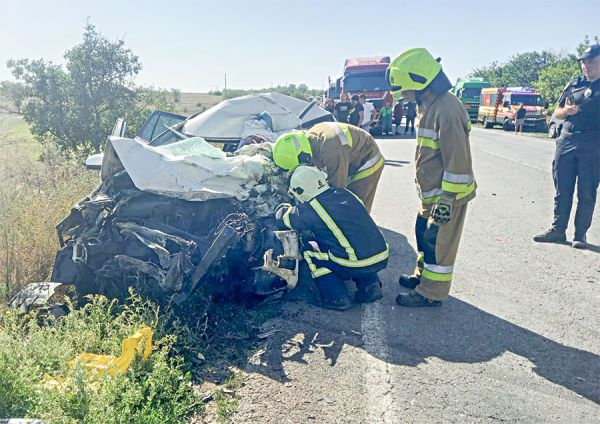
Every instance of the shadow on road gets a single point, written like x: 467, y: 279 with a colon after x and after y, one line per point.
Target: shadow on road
x: 456, y: 332
x: 593, y: 248
x: 393, y: 162
x: 400, y: 136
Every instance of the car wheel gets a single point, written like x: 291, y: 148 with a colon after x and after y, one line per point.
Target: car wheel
x: 506, y: 126
x: 552, y: 131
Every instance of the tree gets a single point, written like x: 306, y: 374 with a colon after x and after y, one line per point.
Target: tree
x: 14, y: 93
x: 147, y: 100
x: 521, y: 70
x: 553, y: 79
x: 175, y: 95
x: 76, y: 107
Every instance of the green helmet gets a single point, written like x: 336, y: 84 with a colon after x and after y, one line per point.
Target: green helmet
x: 288, y: 149
x: 413, y: 69
x: 308, y: 182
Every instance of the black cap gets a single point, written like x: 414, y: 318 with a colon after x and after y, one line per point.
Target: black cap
x: 590, y: 52
x: 354, y: 97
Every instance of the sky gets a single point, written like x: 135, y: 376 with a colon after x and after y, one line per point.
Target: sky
x: 191, y: 45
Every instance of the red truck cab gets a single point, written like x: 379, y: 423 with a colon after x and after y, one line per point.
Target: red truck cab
x: 366, y: 75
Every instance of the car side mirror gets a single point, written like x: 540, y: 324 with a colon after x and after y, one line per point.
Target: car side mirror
x: 94, y: 162
x: 546, y: 105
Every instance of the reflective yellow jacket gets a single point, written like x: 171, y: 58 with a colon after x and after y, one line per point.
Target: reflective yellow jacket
x: 345, y: 152
x: 443, y: 156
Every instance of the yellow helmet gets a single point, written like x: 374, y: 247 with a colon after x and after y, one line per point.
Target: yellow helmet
x: 413, y: 69
x: 308, y: 182
x: 288, y: 149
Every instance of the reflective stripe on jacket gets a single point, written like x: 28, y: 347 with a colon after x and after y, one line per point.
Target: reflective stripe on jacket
x: 345, y: 152
x: 342, y: 227
x: 443, y: 155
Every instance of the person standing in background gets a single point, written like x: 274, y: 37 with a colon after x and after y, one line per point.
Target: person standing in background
x: 342, y: 109
x: 411, y: 114
x: 398, y: 111
x: 329, y: 105
x: 368, y: 112
x: 386, y: 118
x: 357, y: 112
x: 520, y: 119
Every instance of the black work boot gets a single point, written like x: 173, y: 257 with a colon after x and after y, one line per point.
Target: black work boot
x: 409, y: 281
x: 579, y: 242
x: 412, y: 299
x: 551, y: 236
x: 341, y: 303
x: 369, y: 293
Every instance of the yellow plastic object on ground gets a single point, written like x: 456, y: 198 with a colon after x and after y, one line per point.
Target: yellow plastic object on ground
x: 139, y: 344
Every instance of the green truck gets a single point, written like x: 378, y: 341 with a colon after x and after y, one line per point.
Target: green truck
x: 468, y: 90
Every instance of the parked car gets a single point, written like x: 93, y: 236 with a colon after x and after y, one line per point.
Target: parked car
x: 554, y: 126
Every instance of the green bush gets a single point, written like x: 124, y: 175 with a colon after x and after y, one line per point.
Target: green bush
x: 153, y: 391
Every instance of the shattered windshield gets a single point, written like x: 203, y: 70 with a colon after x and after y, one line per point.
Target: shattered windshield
x: 157, y: 124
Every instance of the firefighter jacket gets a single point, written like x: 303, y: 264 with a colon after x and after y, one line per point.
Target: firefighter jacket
x: 345, y: 152
x: 443, y: 156
x: 342, y: 227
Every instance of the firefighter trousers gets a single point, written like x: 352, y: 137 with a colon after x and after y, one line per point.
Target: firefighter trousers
x: 330, y: 277
x: 437, y: 246
x: 366, y: 187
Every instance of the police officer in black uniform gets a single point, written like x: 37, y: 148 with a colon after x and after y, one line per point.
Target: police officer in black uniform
x: 577, y: 158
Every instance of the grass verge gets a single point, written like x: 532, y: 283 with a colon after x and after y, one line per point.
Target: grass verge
x: 153, y: 391
x: 34, y: 196
x: 193, y: 345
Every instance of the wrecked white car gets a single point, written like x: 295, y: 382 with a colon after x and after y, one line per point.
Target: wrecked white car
x: 174, y: 213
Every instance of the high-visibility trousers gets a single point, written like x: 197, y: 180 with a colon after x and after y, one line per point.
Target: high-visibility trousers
x: 366, y: 187
x: 330, y: 276
x: 437, y: 246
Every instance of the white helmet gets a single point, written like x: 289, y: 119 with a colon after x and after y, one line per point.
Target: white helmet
x: 308, y: 182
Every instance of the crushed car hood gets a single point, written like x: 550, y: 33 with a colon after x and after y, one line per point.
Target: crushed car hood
x: 190, y: 169
x: 226, y: 120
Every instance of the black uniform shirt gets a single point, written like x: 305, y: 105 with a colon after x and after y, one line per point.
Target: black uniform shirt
x: 588, y: 117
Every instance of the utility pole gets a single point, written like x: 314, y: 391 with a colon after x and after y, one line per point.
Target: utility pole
x: 225, y: 89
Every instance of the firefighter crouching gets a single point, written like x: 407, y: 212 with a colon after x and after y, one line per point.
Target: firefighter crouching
x: 347, y: 244
x: 348, y: 155
x: 445, y: 179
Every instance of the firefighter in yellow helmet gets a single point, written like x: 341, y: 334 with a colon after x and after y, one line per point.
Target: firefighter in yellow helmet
x: 445, y: 179
x: 346, y: 244
x: 348, y: 154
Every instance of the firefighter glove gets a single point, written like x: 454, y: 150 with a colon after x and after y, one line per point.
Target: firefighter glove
x: 442, y: 212
x: 281, y: 209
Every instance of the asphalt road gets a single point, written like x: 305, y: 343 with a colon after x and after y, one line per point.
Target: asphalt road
x: 518, y: 341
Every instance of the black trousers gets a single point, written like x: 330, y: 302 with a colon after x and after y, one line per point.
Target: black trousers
x: 410, y: 120
x: 576, y: 163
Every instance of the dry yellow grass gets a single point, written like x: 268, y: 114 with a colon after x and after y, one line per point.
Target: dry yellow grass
x: 194, y: 102
x: 34, y: 196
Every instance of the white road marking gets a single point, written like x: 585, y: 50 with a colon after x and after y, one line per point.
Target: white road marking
x: 378, y: 377
x: 515, y: 160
